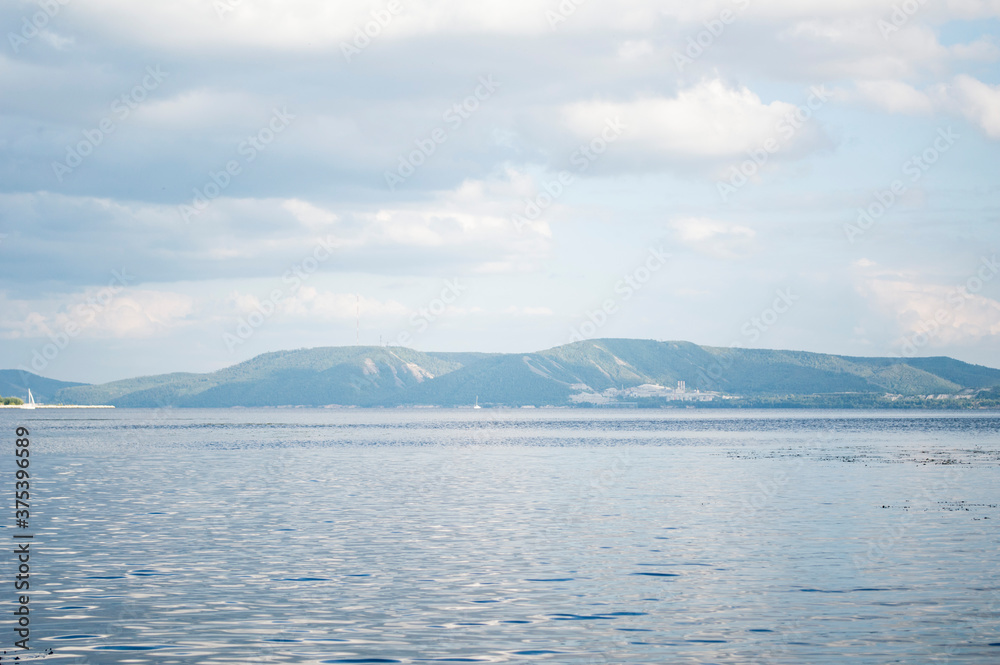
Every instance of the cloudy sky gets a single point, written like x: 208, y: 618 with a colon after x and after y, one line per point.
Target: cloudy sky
x: 184, y: 185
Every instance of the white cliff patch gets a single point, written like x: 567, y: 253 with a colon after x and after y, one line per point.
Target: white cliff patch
x: 418, y: 372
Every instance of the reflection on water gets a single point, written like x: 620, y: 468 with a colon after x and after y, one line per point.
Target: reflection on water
x: 322, y: 536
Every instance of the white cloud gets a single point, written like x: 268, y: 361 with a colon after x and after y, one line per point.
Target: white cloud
x: 952, y: 314
x: 476, y: 216
x: 57, y: 41
x: 107, y: 312
x: 307, y: 25
x: 895, y: 97
x: 195, y: 108
x: 964, y: 95
x: 979, y: 102
x: 469, y: 225
x: 714, y: 238
x: 324, y: 179
x: 513, y: 310
x: 313, y: 217
x: 709, y: 120
x: 844, y: 47
x: 937, y: 10
x: 314, y: 304
x: 984, y: 49
x: 310, y: 25
x: 635, y: 50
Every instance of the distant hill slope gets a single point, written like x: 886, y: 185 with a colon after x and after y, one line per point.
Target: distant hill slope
x: 760, y: 371
x: 364, y: 376
x: 512, y: 380
x: 394, y: 376
x: 15, y: 383
x: 614, y: 363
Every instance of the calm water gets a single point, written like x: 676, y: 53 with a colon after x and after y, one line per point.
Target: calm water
x: 325, y: 536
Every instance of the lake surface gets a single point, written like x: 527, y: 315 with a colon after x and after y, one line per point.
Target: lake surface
x: 510, y: 536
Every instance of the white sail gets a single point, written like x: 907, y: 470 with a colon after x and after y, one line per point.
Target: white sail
x: 30, y: 404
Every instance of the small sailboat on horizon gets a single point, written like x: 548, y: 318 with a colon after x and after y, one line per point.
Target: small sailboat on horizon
x: 30, y: 404
x: 476, y: 405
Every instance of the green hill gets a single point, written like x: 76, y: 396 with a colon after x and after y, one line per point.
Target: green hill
x: 363, y: 376
x: 395, y: 376
x: 16, y: 383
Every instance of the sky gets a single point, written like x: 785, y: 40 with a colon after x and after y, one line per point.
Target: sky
x: 186, y: 185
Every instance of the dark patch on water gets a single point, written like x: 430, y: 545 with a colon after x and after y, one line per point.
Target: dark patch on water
x: 129, y: 647
x: 74, y: 637
x: 304, y: 579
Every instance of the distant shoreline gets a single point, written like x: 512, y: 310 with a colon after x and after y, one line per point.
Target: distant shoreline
x: 59, y: 406
x: 601, y: 374
x: 550, y: 407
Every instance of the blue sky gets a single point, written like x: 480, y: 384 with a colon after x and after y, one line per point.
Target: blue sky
x: 188, y: 185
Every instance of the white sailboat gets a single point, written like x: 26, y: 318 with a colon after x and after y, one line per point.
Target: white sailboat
x: 30, y: 404
x: 476, y: 405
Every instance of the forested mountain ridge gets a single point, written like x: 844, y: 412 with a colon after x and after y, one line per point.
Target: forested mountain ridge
x: 579, y: 373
